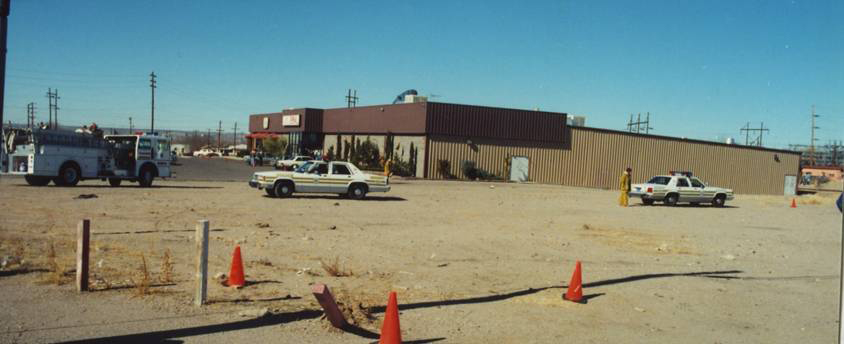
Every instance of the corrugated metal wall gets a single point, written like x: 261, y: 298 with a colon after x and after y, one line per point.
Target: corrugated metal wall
x: 596, y: 158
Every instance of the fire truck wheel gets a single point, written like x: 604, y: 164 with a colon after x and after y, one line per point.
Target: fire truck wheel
x: 147, y: 175
x: 68, y: 176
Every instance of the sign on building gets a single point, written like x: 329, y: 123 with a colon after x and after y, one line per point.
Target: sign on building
x: 290, y: 120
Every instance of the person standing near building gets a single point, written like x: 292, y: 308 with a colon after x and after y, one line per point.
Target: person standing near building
x: 624, y: 185
x: 388, y: 165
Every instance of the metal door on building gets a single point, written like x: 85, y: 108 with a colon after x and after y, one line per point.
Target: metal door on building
x: 790, y: 187
x: 519, y: 168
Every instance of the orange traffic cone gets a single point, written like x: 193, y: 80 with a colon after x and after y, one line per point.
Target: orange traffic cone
x: 391, y: 331
x: 236, y: 273
x: 794, y: 203
x: 575, y: 292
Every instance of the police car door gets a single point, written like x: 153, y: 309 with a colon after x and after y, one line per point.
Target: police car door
x: 320, y: 178
x: 686, y: 191
x: 340, y: 177
x: 703, y: 195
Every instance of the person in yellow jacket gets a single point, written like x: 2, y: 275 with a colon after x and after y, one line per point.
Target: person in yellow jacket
x: 624, y: 185
x: 388, y: 165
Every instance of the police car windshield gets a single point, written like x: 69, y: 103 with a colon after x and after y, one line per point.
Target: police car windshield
x: 661, y: 180
x: 304, y: 168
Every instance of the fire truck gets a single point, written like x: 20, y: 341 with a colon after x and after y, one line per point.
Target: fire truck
x: 68, y: 157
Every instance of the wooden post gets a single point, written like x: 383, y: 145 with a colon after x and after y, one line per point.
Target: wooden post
x: 83, y: 235
x: 326, y: 300
x: 201, y: 262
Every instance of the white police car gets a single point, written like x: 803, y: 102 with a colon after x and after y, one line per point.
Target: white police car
x: 680, y: 187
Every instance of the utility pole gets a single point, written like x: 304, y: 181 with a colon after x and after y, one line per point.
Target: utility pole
x: 152, y: 106
x: 234, y: 136
x: 812, y: 143
x: 219, y: 135
x: 639, y: 124
x: 351, y: 99
x: 208, y: 138
x: 131, y: 128
x: 30, y: 115
x: 4, y: 28
x: 56, y: 107
x: 53, y: 100
x: 762, y: 131
x: 50, y: 107
x: 746, y: 130
x: 758, y: 141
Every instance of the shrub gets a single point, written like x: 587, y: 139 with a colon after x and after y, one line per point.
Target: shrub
x: 444, y: 167
x: 471, y: 171
x: 275, y: 146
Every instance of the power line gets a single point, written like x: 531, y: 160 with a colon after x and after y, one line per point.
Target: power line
x: 32, y: 71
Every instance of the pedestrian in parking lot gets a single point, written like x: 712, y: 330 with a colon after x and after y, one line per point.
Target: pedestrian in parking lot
x: 624, y: 185
x: 388, y: 166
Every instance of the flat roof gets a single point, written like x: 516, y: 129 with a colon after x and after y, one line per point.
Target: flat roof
x: 680, y: 139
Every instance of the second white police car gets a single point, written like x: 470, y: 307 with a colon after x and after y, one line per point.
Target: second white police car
x: 680, y: 187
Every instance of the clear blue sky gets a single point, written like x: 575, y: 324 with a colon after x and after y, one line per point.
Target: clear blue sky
x: 701, y: 68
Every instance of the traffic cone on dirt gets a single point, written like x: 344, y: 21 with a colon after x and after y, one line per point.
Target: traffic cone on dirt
x: 236, y: 272
x: 575, y: 292
x: 794, y: 203
x: 391, y: 331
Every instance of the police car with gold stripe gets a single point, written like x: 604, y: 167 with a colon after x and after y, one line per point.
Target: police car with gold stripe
x: 680, y: 187
x: 316, y: 176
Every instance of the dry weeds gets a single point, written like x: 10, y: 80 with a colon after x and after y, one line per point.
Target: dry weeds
x: 356, y: 307
x: 166, y: 268
x: 55, y: 271
x: 333, y: 268
x: 143, y: 283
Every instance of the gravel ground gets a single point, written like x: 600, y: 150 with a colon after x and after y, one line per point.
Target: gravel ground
x: 471, y: 262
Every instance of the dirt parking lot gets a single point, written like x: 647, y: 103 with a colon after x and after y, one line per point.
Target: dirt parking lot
x: 472, y: 262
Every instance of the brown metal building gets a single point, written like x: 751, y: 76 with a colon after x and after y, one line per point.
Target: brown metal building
x: 442, y: 134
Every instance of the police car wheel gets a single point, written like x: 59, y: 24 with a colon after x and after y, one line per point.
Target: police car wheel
x: 671, y: 200
x: 283, y: 189
x: 357, y: 191
x: 719, y: 201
